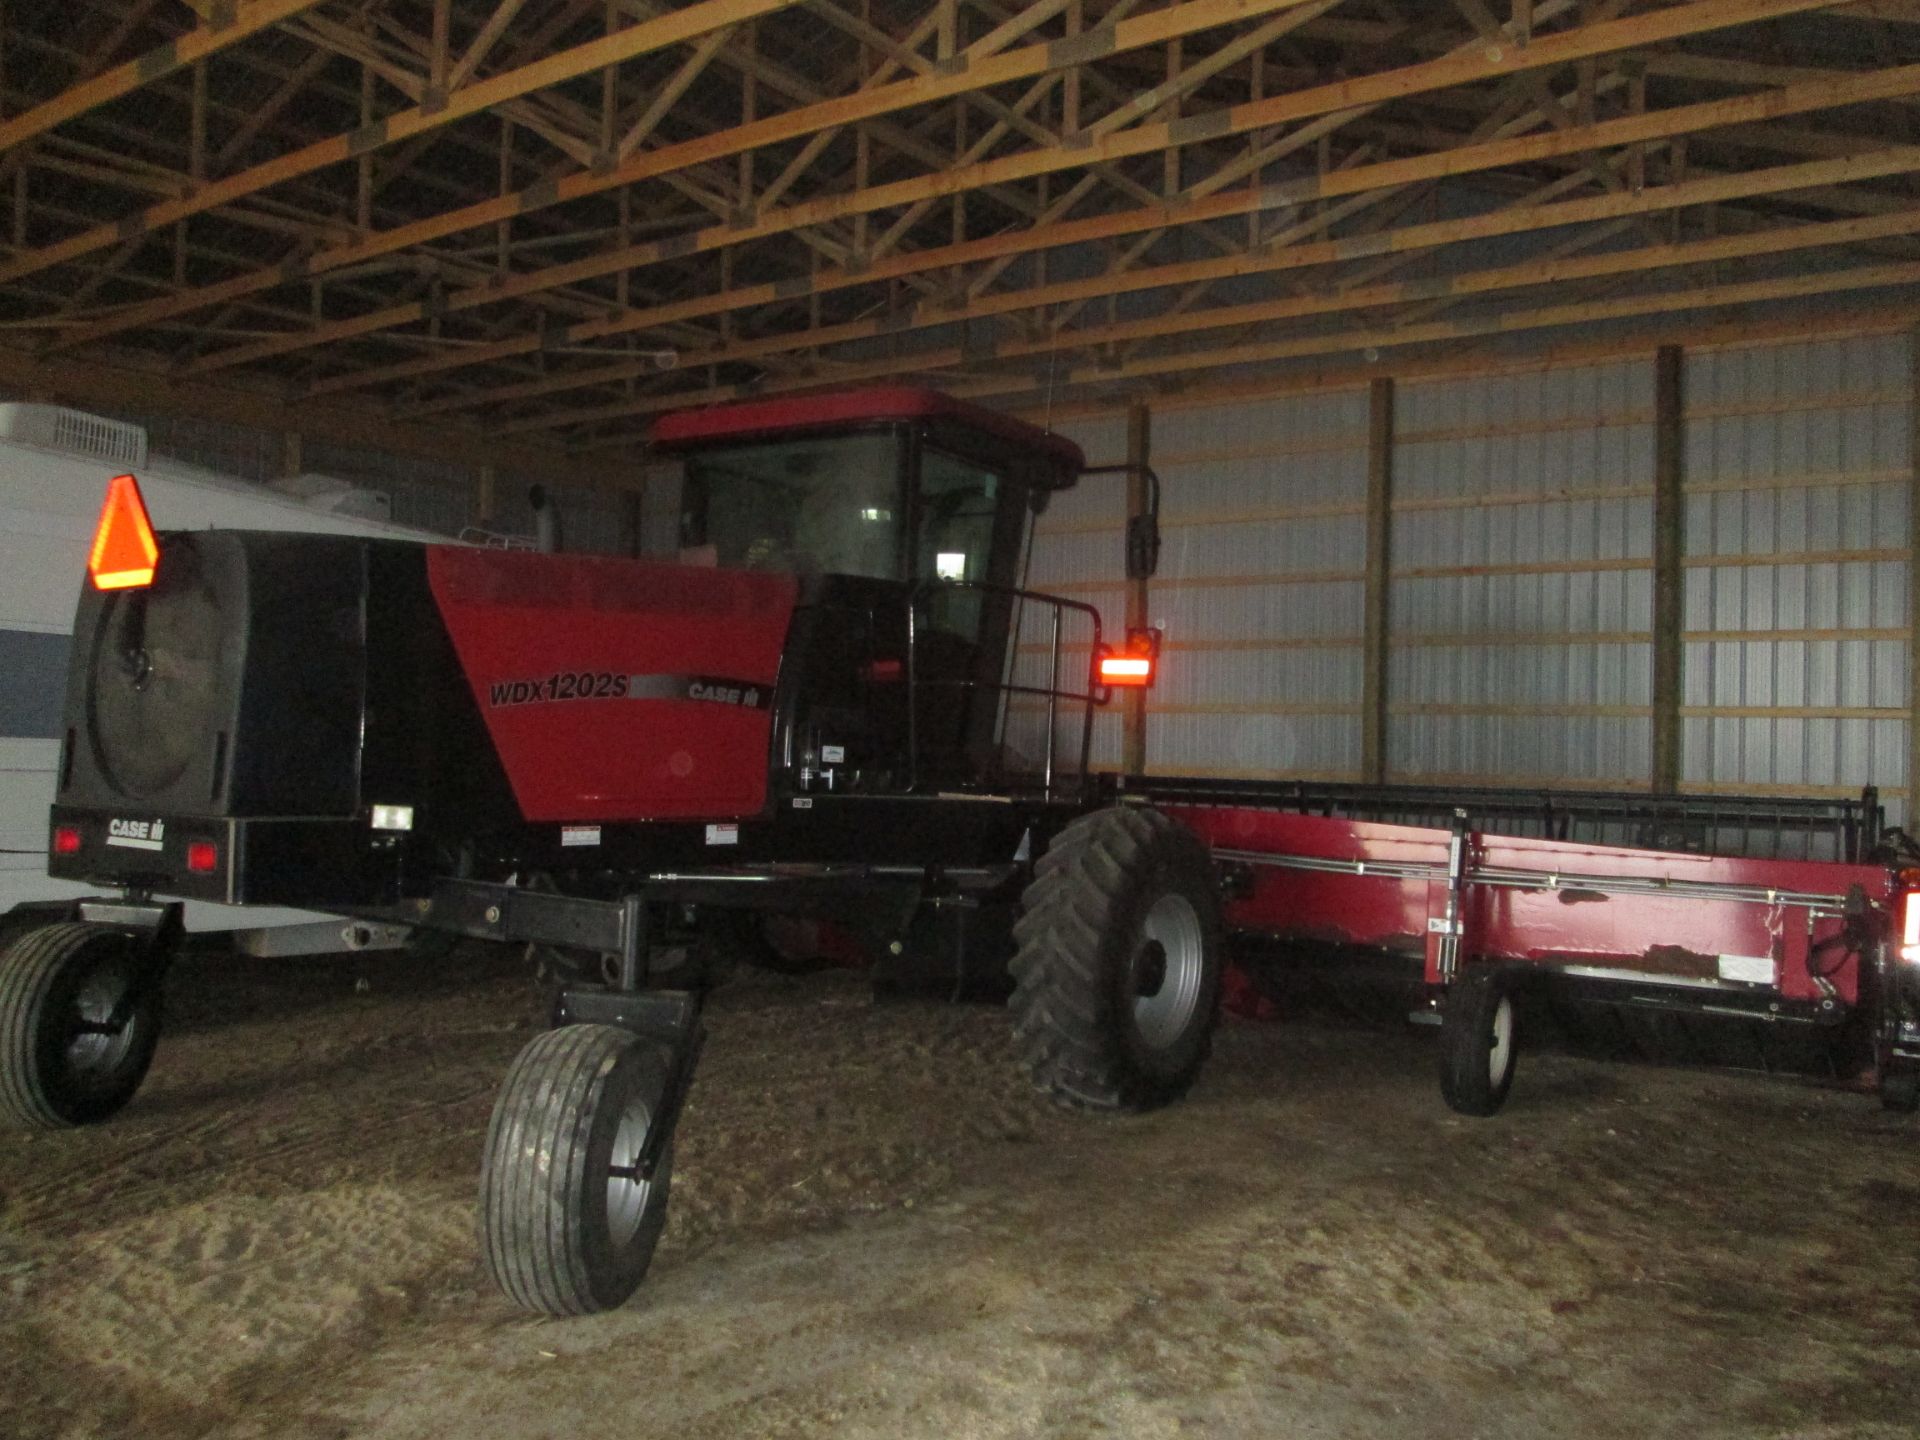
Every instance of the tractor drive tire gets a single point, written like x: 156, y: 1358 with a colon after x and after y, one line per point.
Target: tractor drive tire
x: 1119, y: 963
x: 560, y: 1232
x: 64, y: 1060
x: 1479, y: 1043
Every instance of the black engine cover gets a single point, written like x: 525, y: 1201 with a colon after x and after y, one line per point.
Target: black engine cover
x: 233, y: 685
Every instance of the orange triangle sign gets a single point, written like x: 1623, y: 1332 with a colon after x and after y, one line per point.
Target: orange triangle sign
x: 124, y: 548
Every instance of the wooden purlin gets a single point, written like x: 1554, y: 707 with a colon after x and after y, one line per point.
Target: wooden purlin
x: 1029, y: 387
x: 1318, y: 303
x: 1632, y: 129
x: 895, y: 96
x: 1262, y: 260
x: 1696, y: 17
x: 434, y: 112
x: 849, y: 109
x: 221, y: 30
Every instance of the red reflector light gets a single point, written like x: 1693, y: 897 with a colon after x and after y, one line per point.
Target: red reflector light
x: 1126, y: 670
x: 203, y: 857
x: 66, y: 839
x: 124, y: 548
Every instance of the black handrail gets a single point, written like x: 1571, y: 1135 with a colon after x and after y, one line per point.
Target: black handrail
x: 1006, y: 688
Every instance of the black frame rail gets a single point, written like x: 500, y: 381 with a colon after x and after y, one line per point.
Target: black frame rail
x: 1851, y: 830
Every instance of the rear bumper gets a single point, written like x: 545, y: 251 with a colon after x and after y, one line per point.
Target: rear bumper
x: 309, y: 862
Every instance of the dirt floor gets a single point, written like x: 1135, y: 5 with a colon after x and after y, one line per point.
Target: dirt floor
x: 877, y: 1232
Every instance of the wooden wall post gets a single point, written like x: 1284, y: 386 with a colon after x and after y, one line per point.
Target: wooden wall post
x: 1913, y: 584
x: 1379, y: 583
x: 483, y: 496
x: 1669, y: 562
x: 1133, y: 750
x: 631, y: 523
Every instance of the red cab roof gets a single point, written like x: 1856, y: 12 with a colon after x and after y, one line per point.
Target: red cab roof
x: 840, y: 409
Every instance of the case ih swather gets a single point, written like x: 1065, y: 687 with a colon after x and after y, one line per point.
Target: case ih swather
x: 841, y: 705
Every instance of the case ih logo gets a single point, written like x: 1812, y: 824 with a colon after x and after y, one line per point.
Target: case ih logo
x: 138, y: 834
x: 609, y: 685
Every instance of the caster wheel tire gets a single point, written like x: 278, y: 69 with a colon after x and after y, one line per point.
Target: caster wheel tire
x: 566, y: 1226
x: 1479, y: 1043
x: 1900, y: 1091
x: 1119, y: 963
x: 79, y: 1019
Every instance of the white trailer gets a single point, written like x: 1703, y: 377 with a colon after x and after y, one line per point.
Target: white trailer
x: 54, y: 468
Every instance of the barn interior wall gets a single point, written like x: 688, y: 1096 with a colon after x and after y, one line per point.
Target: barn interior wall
x: 1519, y: 636
x: 1521, y: 592
x: 1798, y: 479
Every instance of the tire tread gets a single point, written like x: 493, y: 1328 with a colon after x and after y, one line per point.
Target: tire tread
x: 531, y: 1178
x: 30, y: 966
x: 1063, y: 1034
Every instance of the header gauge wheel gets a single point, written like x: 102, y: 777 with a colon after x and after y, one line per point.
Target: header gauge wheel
x: 1479, y: 1043
x: 1119, y: 963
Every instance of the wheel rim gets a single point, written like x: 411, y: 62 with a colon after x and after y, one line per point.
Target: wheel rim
x: 1500, y: 1046
x: 1167, y: 971
x: 94, y: 1047
x: 627, y: 1193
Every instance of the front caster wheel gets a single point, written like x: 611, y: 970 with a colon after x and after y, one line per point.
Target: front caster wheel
x: 567, y: 1223
x: 79, y: 1018
x: 1478, y: 1046
x: 1119, y: 964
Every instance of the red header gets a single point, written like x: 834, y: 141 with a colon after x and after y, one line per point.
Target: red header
x: 840, y: 409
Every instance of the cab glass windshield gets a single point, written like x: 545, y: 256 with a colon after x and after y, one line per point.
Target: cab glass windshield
x: 829, y: 504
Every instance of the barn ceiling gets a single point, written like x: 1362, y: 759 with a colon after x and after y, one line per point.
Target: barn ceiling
x: 549, y: 220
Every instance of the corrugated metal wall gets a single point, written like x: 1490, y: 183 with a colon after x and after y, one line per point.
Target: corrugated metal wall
x: 1260, y: 590
x: 1797, y: 478
x: 1521, y: 598
x: 1521, y: 594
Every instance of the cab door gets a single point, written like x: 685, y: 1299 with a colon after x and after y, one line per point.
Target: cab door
x: 968, y: 524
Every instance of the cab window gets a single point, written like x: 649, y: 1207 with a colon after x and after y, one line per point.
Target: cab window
x: 827, y: 505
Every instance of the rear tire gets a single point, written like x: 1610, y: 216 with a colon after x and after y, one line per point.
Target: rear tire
x: 1118, y: 969
x: 560, y: 1234
x: 1479, y: 1043
x: 62, y: 1062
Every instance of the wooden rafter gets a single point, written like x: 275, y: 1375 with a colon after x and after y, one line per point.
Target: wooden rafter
x: 226, y: 27
x: 1137, y: 140
x: 1401, y: 241
x: 1152, y: 29
x: 503, y: 212
x: 1641, y: 261
x: 1358, y: 179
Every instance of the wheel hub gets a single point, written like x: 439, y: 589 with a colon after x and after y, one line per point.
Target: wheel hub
x: 1168, y: 971
x: 95, y: 1044
x: 627, y: 1190
x: 1150, y: 969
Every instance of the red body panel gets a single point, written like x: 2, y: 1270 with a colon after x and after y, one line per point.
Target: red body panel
x: 1681, y: 934
x: 619, y: 689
